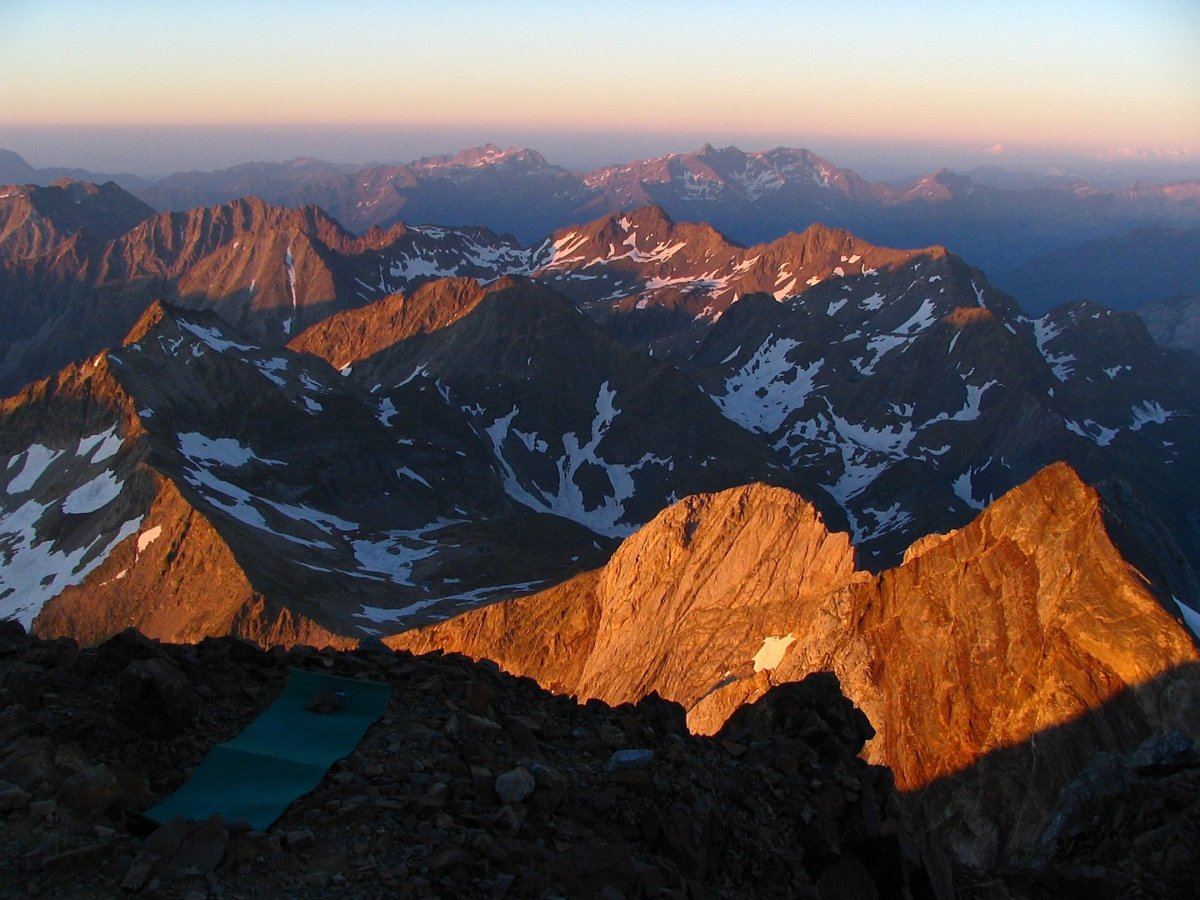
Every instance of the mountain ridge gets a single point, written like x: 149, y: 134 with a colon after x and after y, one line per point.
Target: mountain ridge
x: 648, y: 621
x: 888, y: 379
x: 754, y: 196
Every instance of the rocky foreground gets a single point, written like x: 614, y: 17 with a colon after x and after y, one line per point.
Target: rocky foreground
x: 478, y: 784
x: 473, y: 784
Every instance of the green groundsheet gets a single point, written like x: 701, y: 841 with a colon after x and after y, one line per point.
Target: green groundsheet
x: 281, y: 756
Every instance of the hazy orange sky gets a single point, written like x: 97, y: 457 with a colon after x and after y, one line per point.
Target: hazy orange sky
x: 1097, y: 74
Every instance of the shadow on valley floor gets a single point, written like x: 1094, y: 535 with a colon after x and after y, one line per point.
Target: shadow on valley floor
x: 1078, y: 809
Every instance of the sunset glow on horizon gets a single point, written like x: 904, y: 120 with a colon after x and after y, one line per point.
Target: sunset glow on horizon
x: 1100, y: 74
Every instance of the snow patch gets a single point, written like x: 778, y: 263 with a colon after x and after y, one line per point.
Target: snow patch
x: 269, y: 367
x: 768, y: 388
x: 964, y: 490
x: 223, y: 451
x: 380, y: 615
x: 105, y: 443
x: 894, y: 518
x: 786, y: 291
x: 395, y: 555
x: 970, y: 409
x: 531, y: 441
x: 213, y: 338
x: 1044, y: 331
x: 925, y: 316
x: 1191, y: 618
x: 386, y: 411
x: 37, y: 460
x: 1148, y: 412
x: 1093, y: 431
x: 148, y: 537
x: 290, y: 263
x: 93, y: 495
x: 770, y: 654
x: 34, y: 571
x: 406, y: 472
x: 566, y: 498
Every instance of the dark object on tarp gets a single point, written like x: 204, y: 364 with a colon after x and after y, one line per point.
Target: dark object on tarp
x: 281, y: 756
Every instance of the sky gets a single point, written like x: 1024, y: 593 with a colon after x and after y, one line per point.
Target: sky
x: 191, y: 84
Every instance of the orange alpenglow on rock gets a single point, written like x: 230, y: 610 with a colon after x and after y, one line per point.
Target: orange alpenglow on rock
x: 1017, y: 631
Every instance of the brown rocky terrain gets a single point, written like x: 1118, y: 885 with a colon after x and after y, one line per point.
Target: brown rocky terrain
x: 358, y: 334
x: 991, y: 637
x: 473, y: 784
x: 270, y: 270
x: 36, y: 220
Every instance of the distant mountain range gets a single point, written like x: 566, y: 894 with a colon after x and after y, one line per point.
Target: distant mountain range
x: 751, y: 197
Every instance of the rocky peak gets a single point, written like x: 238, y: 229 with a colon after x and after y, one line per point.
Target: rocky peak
x: 1013, y: 627
x: 150, y: 321
x: 80, y: 400
x: 36, y: 221
x: 485, y: 157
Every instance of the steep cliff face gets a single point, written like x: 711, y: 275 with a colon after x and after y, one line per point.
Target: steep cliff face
x: 687, y: 604
x: 1000, y: 635
x: 997, y: 662
x: 682, y: 604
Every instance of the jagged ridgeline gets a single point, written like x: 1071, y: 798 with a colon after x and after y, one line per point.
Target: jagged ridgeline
x: 631, y: 457
x: 1037, y: 234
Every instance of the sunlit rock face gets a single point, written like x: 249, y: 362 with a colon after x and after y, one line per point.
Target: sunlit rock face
x: 994, y: 662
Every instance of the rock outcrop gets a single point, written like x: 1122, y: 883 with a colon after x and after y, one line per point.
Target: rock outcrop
x: 972, y: 658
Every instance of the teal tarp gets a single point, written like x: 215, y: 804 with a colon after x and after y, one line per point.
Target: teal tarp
x: 281, y: 756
